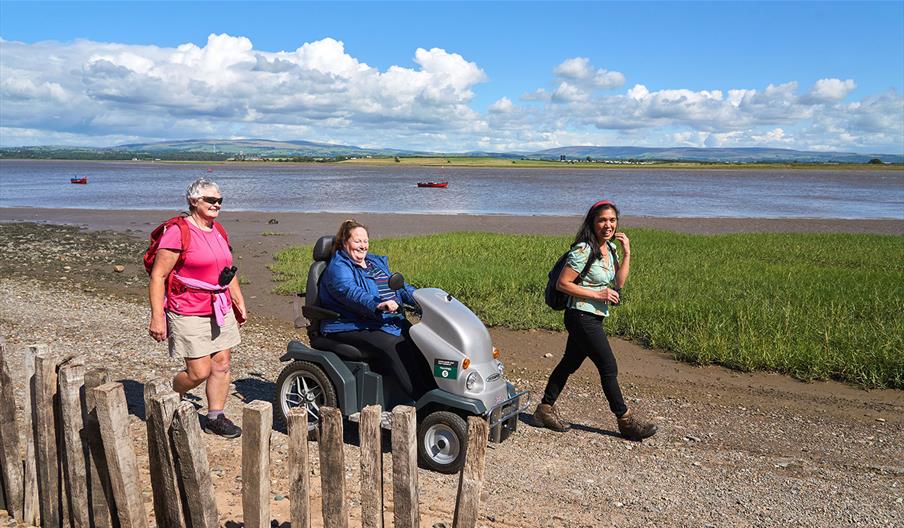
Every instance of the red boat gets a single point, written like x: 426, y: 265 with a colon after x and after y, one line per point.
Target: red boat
x: 436, y: 184
x: 83, y: 180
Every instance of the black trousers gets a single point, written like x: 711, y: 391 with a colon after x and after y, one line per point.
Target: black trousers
x: 586, y: 338
x: 404, y: 360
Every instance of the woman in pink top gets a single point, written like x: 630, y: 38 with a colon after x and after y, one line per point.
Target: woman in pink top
x: 196, y: 314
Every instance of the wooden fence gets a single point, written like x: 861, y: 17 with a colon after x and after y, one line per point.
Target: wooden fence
x: 80, y: 469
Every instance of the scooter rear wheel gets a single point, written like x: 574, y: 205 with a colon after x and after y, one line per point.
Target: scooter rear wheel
x: 442, y: 441
x: 304, y: 384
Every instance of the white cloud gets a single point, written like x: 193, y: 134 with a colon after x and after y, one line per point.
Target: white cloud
x: 91, y: 93
x: 503, y: 105
x: 579, y: 70
x: 831, y: 90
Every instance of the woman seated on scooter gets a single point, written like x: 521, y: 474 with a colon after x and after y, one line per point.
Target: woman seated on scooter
x: 355, y: 284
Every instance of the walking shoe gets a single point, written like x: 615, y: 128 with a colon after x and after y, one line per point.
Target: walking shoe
x: 634, y: 428
x: 547, y: 416
x: 222, y: 426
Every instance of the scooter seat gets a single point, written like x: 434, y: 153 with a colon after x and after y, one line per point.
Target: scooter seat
x: 343, y: 350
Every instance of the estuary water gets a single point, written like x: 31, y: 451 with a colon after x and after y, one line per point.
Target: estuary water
x: 328, y: 187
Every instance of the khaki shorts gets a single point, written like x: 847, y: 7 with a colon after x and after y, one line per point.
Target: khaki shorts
x: 193, y: 336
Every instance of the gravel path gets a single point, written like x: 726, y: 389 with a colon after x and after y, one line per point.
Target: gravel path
x: 712, y: 464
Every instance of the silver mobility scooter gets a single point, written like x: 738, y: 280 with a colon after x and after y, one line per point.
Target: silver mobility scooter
x: 468, y: 376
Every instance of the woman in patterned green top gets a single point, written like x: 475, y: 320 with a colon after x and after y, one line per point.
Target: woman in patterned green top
x: 590, y: 298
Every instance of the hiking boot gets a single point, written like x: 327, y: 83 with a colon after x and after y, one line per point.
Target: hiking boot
x: 633, y: 428
x: 222, y: 426
x: 547, y: 416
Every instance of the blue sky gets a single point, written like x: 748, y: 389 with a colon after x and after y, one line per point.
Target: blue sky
x: 457, y: 76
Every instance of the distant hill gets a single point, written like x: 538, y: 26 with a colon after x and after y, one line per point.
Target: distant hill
x: 222, y: 149
x: 718, y: 155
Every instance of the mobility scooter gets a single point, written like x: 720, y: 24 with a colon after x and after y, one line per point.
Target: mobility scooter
x: 469, y: 378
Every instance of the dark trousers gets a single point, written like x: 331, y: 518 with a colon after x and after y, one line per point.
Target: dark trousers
x: 586, y: 338
x: 404, y: 361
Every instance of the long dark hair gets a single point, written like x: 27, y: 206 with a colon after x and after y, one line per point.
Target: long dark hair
x: 586, y: 233
x: 344, y: 233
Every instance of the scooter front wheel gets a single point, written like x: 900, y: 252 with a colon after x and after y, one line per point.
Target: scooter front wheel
x: 306, y: 385
x: 442, y: 441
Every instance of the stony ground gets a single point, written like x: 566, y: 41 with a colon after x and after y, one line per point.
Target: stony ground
x: 733, y: 449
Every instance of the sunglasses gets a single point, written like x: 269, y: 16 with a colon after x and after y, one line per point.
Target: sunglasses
x: 211, y: 200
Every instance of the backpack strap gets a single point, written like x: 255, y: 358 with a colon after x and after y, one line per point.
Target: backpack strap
x: 222, y: 230
x: 185, y: 234
x: 613, y: 252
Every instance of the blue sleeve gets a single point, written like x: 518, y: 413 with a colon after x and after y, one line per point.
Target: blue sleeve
x: 342, y: 286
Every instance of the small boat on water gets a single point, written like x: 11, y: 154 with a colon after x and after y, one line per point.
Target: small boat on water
x: 83, y: 180
x: 433, y: 184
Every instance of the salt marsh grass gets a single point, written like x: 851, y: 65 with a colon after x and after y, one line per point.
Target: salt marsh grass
x: 815, y: 306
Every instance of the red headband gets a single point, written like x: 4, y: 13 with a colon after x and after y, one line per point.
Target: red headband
x: 602, y: 202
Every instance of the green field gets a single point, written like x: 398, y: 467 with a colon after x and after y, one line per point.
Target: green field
x: 814, y: 306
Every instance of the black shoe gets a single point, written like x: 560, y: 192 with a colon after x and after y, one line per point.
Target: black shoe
x: 222, y: 426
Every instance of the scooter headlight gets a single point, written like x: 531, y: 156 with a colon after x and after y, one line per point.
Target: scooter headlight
x: 474, y: 383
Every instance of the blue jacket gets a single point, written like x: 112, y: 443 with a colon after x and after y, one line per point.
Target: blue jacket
x: 350, y: 291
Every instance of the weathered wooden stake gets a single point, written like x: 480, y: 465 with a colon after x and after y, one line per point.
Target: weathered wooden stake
x: 404, y: 467
x: 159, y: 410
x: 332, y: 469
x: 470, y: 481
x: 194, y: 468
x: 45, y: 393
x: 10, y: 458
x: 371, y: 467
x: 155, y: 468
x: 299, y: 468
x: 257, y: 424
x: 72, y: 380
x: 113, y: 415
x: 31, y: 502
x: 100, y: 493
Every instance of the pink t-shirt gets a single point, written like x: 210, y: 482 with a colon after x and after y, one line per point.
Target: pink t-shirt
x: 208, y: 253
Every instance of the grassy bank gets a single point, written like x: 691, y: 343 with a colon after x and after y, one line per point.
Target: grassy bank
x: 815, y: 306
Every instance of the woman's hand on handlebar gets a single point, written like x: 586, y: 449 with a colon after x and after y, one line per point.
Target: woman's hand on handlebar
x: 389, y: 306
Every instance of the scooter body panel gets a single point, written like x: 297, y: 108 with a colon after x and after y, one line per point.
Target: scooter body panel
x: 447, y: 334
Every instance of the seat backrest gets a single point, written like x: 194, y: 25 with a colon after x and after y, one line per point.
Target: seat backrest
x: 321, y: 253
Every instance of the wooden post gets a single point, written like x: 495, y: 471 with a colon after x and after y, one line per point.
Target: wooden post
x: 155, y: 468
x: 371, y: 467
x: 257, y: 424
x: 332, y: 469
x: 72, y: 379
x: 10, y: 457
x: 194, y: 468
x: 45, y: 393
x: 30, y: 501
x: 113, y: 415
x: 159, y: 410
x: 470, y: 480
x: 404, y: 467
x: 299, y: 469
x: 100, y: 493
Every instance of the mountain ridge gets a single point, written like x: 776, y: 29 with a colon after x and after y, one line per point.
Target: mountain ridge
x: 221, y: 149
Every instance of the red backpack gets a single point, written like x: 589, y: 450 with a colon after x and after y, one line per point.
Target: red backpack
x: 151, y: 254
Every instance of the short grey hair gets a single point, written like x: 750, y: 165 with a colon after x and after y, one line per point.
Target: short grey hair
x: 194, y: 190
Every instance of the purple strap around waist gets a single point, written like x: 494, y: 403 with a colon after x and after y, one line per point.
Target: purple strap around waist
x: 220, y: 300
